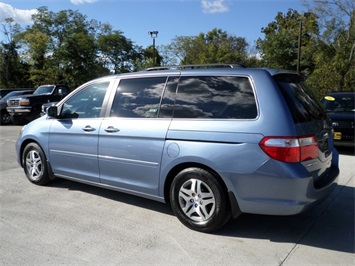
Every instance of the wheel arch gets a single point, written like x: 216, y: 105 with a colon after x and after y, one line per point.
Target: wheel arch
x: 231, y: 198
x: 22, y: 149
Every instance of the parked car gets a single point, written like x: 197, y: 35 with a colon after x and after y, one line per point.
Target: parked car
x: 26, y: 108
x: 212, y: 142
x: 340, y: 107
x: 3, y: 92
x: 4, y: 115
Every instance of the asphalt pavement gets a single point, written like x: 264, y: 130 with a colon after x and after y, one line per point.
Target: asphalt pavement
x: 68, y: 223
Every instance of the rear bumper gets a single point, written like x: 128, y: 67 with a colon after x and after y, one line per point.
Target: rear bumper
x: 286, y: 194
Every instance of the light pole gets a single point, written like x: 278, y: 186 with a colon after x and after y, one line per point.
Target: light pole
x: 300, y: 40
x: 153, y: 34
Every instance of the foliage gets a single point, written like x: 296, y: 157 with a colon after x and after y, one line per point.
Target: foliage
x: 12, y: 70
x: 67, y: 47
x: 280, y: 48
x: 216, y: 46
x: 115, y: 50
x: 335, y: 57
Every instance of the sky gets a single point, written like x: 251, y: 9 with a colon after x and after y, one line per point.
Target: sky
x: 171, y: 18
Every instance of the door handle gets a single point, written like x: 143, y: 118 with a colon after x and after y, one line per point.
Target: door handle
x: 111, y: 129
x: 89, y: 129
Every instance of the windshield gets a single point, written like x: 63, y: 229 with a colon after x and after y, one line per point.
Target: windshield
x: 44, y: 90
x: 338, y: 103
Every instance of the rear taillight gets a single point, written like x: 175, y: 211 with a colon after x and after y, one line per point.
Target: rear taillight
x: 290, y: 149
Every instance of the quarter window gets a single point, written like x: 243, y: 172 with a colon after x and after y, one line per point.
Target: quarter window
x: 139, y: 97
x: 224, y: 97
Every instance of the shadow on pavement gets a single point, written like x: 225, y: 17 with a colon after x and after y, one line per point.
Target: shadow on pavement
x: 113, y: 195
x: 330, y: 225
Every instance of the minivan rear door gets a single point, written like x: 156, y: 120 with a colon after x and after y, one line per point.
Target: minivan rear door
x: 309, y: 118
x: 132, y: 138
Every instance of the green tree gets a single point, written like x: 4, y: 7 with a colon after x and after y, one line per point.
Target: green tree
x: 12, y: 69
x: 279, y: 48
x: 62, y: 48
x: 335, y: 58
x: 116, y: 51
x: 167, y: 57
x: 216, y: 46
x: 144, y: 57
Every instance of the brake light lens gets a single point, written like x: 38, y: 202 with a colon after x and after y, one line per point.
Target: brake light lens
x: 290, y: 149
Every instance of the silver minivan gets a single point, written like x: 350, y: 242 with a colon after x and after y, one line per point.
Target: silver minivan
x: 212, y: 142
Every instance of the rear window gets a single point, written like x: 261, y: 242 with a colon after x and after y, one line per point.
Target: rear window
x: 303, y: 106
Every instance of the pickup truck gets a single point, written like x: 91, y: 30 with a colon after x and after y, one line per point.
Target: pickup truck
x: 26, y: 108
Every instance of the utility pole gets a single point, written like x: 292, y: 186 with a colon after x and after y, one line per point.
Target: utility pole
x: 305, y: 15
x: 153, y: 34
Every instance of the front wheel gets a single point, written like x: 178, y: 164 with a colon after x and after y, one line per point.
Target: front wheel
x: 17, y: 120
x: 5, y: 118
x: 198, y: 200
x: 34, y: 162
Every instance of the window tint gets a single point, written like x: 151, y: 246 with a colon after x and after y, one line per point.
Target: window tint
x: 138, y: 97
x: 87, y: 103
x: 303, y: 106
x: 215, y: 97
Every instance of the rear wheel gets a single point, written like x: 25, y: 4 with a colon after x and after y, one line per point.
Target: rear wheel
x: 35, y: 166
x: 198, y: 200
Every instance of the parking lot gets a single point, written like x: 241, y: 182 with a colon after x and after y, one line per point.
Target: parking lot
x: 68, y: 223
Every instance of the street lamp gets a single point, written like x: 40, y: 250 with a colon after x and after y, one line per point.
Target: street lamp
x: 153, y: 34
x: 300, y: 40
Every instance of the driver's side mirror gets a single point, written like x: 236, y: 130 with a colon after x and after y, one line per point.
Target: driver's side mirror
x: 52, y: 111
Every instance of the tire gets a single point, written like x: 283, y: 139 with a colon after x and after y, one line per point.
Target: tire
x: 17, y: 120
x: 5, y: 118
x: 36, y: 113
x: 198, y: 200
x: 35, y: 164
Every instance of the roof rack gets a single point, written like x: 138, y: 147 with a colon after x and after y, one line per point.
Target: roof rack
x: 193, y: 66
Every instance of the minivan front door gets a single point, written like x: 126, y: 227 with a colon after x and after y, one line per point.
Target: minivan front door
x: 73, y: 138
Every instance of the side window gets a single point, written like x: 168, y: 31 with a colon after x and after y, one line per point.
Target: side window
x: 138, y: 97
x: 215, y: 97
x: 87, y: 103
